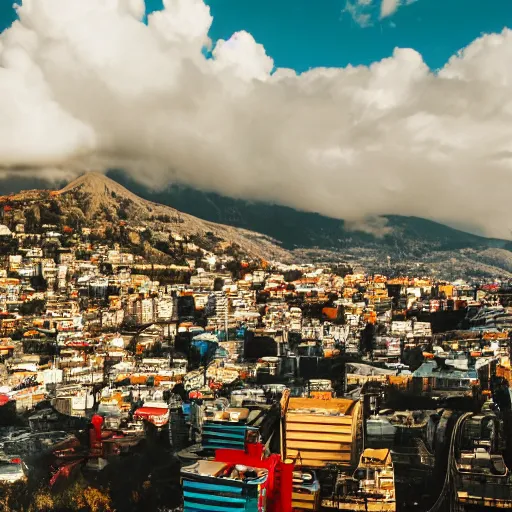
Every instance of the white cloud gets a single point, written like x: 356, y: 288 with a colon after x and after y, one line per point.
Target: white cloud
x: 388, y: 7
x: 376, y: 226
x: 86, y: 85
x: 360, y: 12
x: 243, y: 56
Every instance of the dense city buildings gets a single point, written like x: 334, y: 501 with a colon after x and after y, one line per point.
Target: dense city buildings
x: 209, y: 369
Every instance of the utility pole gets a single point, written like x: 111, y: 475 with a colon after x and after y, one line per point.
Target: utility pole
x: 226, y: 321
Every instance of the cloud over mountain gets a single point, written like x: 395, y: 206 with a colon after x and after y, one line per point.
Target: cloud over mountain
x: 86, y: 85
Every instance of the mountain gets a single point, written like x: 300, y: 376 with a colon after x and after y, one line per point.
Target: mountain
x: 414, y: 245
x: 93, y: 200
x: 411, y: 242
x: 294, y: 228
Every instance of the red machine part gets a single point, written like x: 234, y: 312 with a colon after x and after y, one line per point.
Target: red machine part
x: 95, y: 438
x: 97, y: 423
x: 156, y: 415
x: 64, y: 471
x: 280, y: 474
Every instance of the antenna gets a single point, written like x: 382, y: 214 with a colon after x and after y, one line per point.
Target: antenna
x: 226, y: 326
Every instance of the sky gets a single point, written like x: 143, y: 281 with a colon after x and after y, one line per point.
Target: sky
x: 350, y: 108
x: 304, y: 34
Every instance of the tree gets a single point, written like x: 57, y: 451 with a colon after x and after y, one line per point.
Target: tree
x: 162, y: 246
x: 292, y: 275
x: 146, y: 235
x: 122, y: 213
x: 235, y: 268
x: 32, y: 219
x: 75, y: 218
x: 33, y: 307
x: 48, y: 216
x: 109, y: 233
x: 54, y: 207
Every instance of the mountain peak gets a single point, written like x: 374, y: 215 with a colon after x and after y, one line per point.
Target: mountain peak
x: 98, y: 185
x: 103, y: 201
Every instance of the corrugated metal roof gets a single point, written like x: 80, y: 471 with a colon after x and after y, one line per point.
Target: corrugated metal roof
x: 430, y: 369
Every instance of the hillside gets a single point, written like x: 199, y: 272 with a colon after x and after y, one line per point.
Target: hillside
x: 294, y: 228
x: 268, y: 231
x: 412, y: 243
x: 110, y: 210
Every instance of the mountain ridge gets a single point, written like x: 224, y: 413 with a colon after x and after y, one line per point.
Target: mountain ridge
x: 269, y: 231
x: 268, y: 218
x: 418, y: 243
x: 97, y: 201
